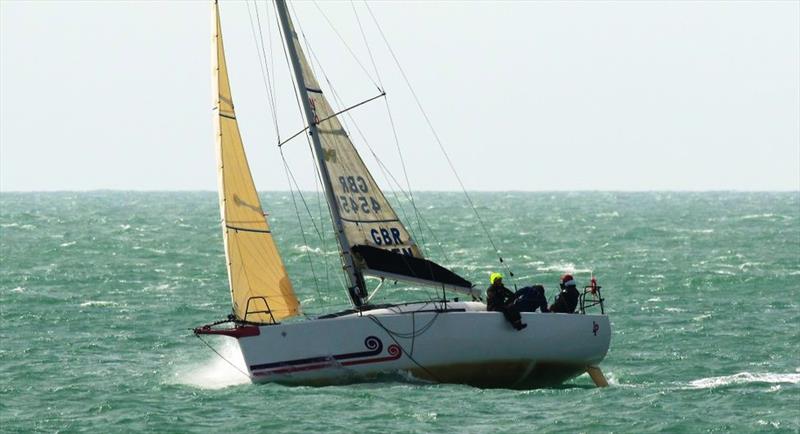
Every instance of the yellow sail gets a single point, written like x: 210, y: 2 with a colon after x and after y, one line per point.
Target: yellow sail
x: 260, y: 288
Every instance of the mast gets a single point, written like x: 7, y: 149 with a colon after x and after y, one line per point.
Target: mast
x: 357, y: 289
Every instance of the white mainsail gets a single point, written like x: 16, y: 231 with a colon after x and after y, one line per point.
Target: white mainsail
x: 367, y: 217
x: 379, y: 242
x: 260, y: 288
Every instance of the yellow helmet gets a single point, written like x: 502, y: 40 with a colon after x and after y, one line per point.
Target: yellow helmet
x: 494, y: 276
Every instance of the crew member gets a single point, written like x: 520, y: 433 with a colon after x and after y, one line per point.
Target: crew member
x: 567, y: 299
x: 530, y: 298
x: 501, y: 299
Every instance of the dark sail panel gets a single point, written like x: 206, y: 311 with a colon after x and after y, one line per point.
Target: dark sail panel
x: 390, y: 264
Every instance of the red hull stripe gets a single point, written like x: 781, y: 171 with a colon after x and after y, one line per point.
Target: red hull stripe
x: 394, y: 353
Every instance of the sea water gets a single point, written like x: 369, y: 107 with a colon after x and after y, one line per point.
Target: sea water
x: 99, y: 290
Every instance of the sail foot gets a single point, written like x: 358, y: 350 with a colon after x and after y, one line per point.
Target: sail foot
x: 384, y: 263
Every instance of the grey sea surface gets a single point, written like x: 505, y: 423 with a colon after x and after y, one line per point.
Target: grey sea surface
x: 99, y: 290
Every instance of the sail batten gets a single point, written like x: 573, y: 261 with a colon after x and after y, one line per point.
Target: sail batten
x: 260, y: 288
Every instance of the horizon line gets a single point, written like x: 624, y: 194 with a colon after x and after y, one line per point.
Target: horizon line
x: 99, y: 190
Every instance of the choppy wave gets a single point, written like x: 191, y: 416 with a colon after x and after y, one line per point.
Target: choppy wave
x: 111, y: 314
x: 745, y: 377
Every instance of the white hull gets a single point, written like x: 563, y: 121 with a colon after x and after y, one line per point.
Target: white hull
x: 464, y: 344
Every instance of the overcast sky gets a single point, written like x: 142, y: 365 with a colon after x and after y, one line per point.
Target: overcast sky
x: 524, y: 95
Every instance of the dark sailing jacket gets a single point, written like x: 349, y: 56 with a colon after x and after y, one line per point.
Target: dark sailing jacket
x: 567, y: 300
x: 498, y: 298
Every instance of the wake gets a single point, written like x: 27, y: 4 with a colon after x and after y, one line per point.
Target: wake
x: 214, y: 372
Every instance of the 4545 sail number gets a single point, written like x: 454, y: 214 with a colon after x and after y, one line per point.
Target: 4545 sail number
x: 350, y: 203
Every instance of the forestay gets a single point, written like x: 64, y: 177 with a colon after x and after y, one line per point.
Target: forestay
x: 260, y: 288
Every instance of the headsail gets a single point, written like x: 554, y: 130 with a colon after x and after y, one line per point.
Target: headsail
x: 366, y: 217
x: 260, y: 288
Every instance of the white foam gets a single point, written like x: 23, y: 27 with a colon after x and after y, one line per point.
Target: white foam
x: 763, y: 422
x: 214, y: 372
x: 745, y: 377
x: 69, y: 243
x: 307, y: 249
x: 91, y: 303
x: 564, y: 267
x: 756, y: 216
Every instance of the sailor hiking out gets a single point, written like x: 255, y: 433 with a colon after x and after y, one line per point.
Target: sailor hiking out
x: 501, y: 299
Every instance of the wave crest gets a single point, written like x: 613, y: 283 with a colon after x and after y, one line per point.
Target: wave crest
x: 745, y: 377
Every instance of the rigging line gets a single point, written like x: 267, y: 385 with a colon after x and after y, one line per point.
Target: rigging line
x: 307, y: 208
x: 405, y: 172
x: 394, y: 129
x: 274, y: 102
x: 289, y: 39
x: 302, y: 231
x: 366, y: 43
x: 335, y: 94
x: 346, y: 46
x: 337, y: 99
x: 246, y: 276
x: 271, y: 55
x: 385, y: 170
x: 297, y: 96
x: 271, y: 91
x: 388, y: 174
x: 317, y: 170
x: 261, y: 63
x: 291, y: 179
x: 410, y: 357
x: 332, y: 116
x: 325, y: 240
x: 438, y: 141
x: 344, y: 274
x: 320, y: 185
x: 391, y: 122
x: 221, y: 357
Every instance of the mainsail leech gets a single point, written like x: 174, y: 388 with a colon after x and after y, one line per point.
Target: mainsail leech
x: 260, y: 288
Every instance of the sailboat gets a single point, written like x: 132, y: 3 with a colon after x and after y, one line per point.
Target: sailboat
x: 443, y: 341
